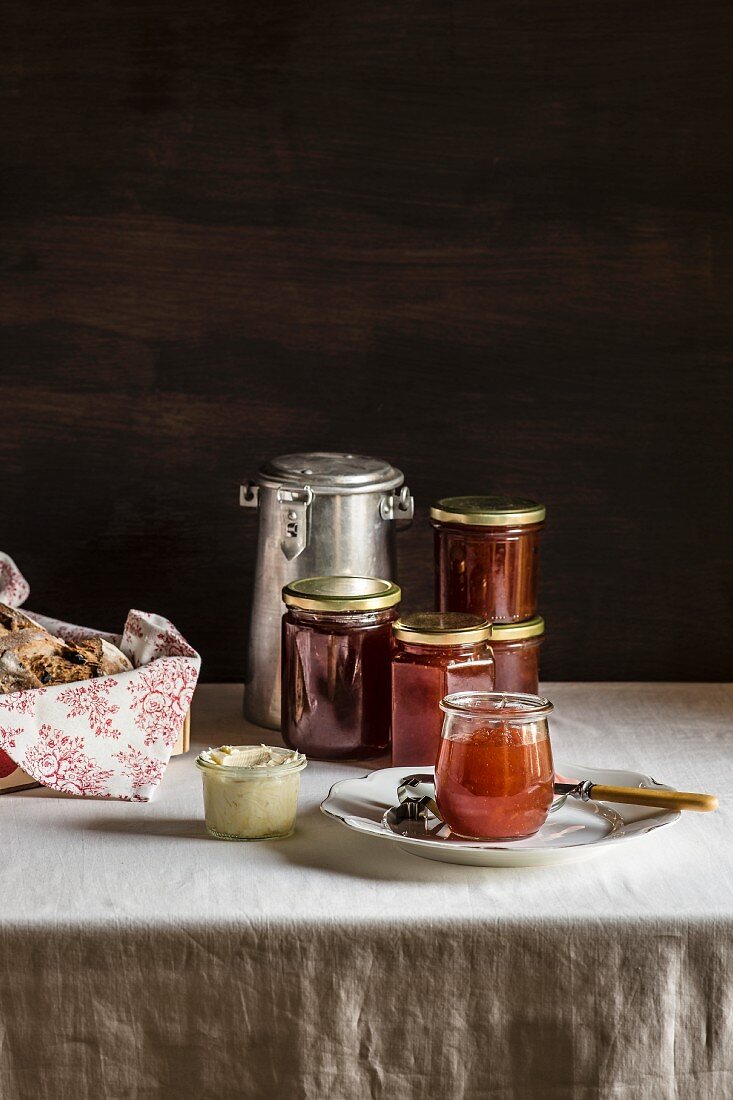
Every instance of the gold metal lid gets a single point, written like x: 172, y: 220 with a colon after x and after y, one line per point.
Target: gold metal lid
x: 441, y: 628
x: 341, y: 594
x: 490, y: 511
x: 514, y: 632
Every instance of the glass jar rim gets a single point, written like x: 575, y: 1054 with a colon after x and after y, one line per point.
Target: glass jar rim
x: 259, y: 771
x: 497, y: 705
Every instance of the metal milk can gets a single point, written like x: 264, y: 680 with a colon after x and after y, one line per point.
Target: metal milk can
x: 320, y: 514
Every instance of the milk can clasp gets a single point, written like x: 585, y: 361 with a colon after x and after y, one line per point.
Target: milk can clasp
x: 294, y: 504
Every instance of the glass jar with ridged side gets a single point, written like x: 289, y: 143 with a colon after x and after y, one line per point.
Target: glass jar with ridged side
x: 336, y: 669
x: 433, y: 653
x: 487, y: 555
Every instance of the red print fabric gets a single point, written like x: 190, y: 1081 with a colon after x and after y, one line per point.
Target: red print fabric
x: 106, y: 738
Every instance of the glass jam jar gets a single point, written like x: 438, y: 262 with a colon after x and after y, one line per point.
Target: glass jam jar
x: 336, y: 643
x: 433, y: 653
x: 487, y: 556
x: 494, y: 779
x: 516, y: 649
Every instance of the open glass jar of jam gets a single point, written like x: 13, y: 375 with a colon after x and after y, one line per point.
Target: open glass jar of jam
x: 494, y: 779
x: 336, y: 641
x: 487, y: 556
x: 433, y: 653
x: 516, y: 648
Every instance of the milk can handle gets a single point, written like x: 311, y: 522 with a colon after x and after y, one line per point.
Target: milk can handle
x: 399, y: 506
x: 249, y: 494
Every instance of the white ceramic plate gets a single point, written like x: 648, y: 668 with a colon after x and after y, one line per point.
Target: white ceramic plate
x: 579, y: 830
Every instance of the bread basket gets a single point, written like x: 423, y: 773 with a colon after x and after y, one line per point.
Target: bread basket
x: 108, y: 737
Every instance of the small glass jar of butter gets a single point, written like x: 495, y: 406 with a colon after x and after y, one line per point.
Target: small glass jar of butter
x: 250, y: 791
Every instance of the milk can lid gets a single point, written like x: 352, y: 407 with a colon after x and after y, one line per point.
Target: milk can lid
x: 331, y: 472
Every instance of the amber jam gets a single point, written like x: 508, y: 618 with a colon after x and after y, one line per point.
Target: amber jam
x: 487, y: 556
x: 336, y: 643
x: 516, y: 648
x: 433, y: 653
x: 494, y: 778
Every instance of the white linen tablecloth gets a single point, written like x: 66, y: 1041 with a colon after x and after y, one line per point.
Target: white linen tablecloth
x: 138, y: 958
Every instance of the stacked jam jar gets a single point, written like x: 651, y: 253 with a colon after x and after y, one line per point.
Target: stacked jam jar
x: 486, y: 563
x: 357, y: 676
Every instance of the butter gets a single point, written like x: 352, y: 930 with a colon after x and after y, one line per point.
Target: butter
x: 249, y: 756
x: 250, y: 791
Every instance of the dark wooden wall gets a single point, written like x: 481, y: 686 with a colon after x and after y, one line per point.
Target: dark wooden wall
x: 488, y: 240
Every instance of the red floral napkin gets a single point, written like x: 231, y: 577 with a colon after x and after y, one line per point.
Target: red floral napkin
x: 110, y: 737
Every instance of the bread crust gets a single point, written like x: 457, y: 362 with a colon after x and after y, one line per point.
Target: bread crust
x: 30, y: 657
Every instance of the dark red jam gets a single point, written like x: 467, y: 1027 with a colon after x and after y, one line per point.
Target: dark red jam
x: 433, y: 655
x: 487, y: 568
x: 516, y: 649
x: 336, y: 682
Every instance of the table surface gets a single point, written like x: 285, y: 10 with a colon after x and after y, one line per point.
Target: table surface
x: 97, y: 862
x: 140, y: 958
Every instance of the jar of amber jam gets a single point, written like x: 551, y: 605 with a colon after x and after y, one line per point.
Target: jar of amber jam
x: 516, y: 649
x: 433, y: 653
x: 336, y: 642
x: 487, y: 556
x: 494, y: 779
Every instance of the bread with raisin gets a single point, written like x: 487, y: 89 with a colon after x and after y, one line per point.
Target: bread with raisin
x: 30, y: 657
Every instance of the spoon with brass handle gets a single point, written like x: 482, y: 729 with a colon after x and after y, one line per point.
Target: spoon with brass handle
x: 587, y: 790
x: 416, y: 794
